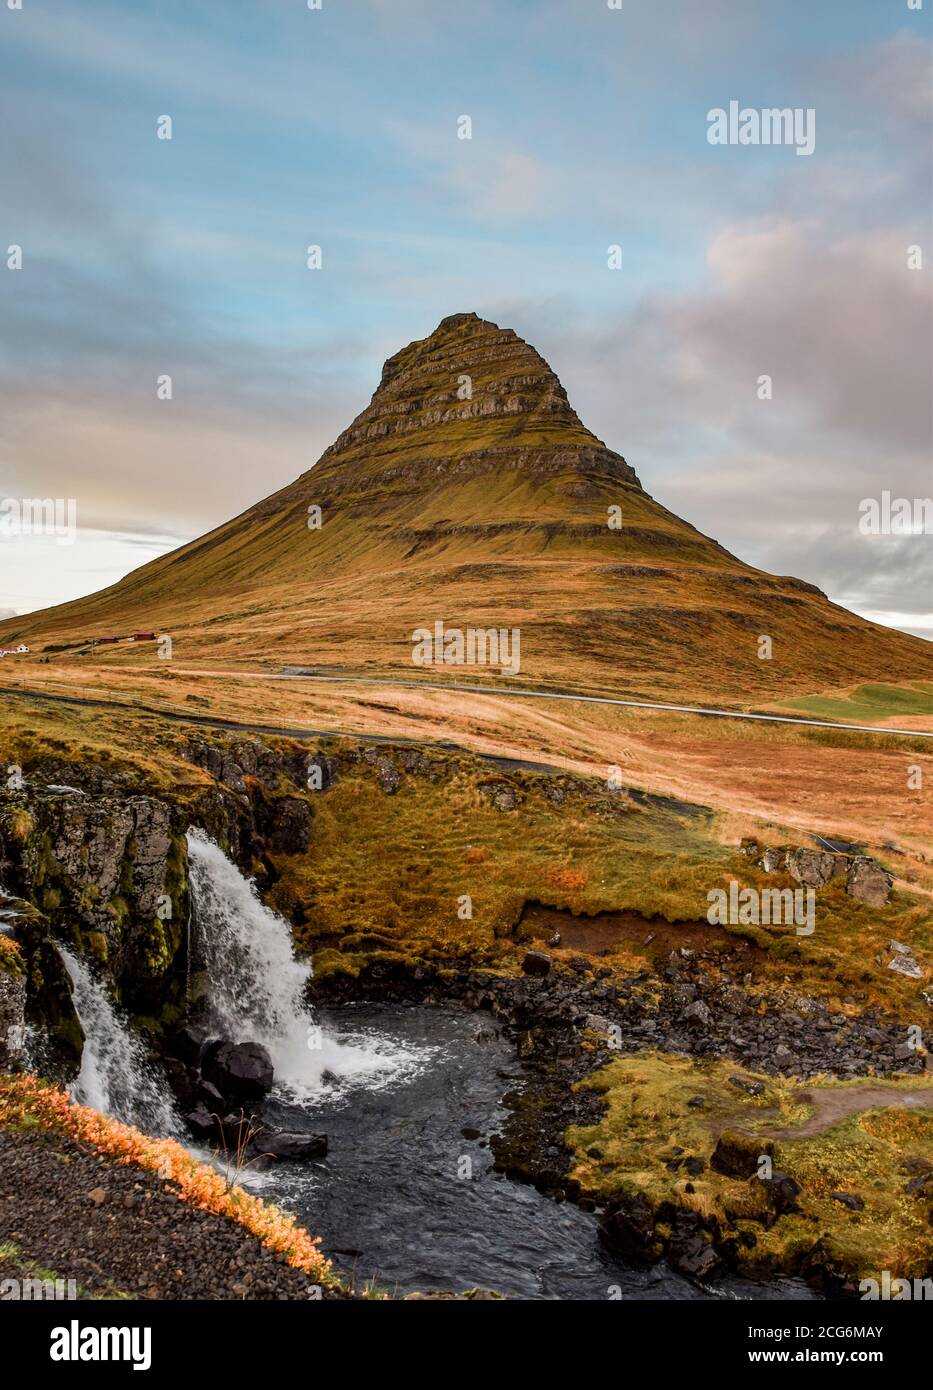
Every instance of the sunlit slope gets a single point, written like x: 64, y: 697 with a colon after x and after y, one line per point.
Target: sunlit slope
x: 469, y: 492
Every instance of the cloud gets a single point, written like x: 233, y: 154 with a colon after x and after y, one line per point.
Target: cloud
x: 843, y: 329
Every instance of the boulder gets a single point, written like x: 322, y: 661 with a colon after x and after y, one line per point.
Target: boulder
x: 867, y: 882
x: 698, y: 1014
x: 692, y: 1255
x: 906, y: 965
x: 240, y: 1071
x: 12, y: 1018
x: 536, y: 963
x: 627, y: 1227
x: 200, y: 1121
x: 290, y: 1146
x: 814, y: 868
x: 782, y: 1192
x: 503, y: 795
x: 848, y: 1199
x: 738, y: 1155
x: 188, y: 1044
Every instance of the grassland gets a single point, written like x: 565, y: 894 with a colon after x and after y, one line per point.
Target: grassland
x: 870, y: 1155
x: 387, y: 874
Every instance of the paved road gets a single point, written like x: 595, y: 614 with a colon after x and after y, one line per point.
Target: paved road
x: 523, y: 693
x: 518, y: 692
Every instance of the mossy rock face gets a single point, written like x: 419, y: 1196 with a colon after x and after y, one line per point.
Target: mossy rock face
x: 110, y: 873
x: 329, y: 963
x: 96, y: 945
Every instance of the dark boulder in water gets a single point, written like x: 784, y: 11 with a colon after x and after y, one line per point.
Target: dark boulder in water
x: 293, y: 1147
x: 241, y: 1071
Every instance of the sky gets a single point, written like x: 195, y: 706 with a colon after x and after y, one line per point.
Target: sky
x: 338, y: 127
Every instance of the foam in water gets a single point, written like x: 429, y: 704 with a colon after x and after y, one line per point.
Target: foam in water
x: 115, y: 1077
x: 256, y: 988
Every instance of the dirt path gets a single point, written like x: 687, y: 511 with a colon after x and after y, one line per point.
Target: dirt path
x: 834, y: 1103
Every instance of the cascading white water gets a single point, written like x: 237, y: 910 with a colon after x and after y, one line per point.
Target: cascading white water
x: 256, y: 988
x: 115, y: 1076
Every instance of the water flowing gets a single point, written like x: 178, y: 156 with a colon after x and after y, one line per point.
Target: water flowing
x: 256, y: 989
x: 116, y: 1077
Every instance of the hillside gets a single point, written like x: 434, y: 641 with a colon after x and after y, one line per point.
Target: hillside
x: 469, y: 492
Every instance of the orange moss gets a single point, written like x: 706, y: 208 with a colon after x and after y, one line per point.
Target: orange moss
x: 197, y: 1184
x: 568, y: 879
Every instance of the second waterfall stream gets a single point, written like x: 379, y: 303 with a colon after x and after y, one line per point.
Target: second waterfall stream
x: 256, y: 988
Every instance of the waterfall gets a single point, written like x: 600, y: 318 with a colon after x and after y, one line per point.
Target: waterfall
x: 256, y: 987
x: 115, y: 1077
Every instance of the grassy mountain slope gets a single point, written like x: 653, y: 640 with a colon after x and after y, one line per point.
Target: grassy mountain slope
x: 469, y: 492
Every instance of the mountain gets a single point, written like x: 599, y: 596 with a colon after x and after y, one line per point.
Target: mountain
x: 469, y: 492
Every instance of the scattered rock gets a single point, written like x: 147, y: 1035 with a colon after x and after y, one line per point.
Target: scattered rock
x: 536, y: 963
x: 503, y: 795
x: 743, y: 1083
x: 906, y: 965
x: 848, y: 1199
x: 698, y: 1014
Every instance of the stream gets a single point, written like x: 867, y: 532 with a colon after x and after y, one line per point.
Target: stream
x: 389, y: 1204
x: 408, y: 1096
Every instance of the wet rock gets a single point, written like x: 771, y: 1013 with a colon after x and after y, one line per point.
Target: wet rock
x: 201, y: 1122
x: 240, y: 1071
x: 12, y: 1018
x: 692, y: 1254
x: 627, y: 1226
x: 290, y: 1147
x: 187, y: 1044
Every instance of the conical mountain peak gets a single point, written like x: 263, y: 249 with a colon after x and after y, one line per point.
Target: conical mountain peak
x: 469, y: 491
x: 473, y: 395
